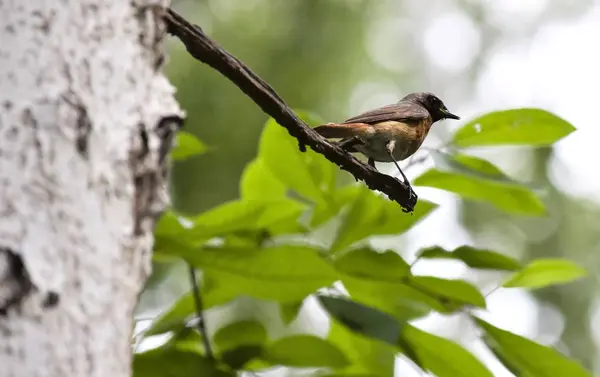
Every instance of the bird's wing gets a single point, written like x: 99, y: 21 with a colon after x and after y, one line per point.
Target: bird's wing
x: 400, y: 112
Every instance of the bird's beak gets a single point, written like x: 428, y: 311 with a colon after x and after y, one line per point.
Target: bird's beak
x: 449, y: 115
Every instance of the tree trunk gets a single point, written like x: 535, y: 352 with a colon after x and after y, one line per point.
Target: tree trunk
x: 86, y: 118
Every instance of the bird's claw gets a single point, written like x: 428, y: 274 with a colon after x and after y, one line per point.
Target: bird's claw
x: 412, y: 193
x: 412, y: 199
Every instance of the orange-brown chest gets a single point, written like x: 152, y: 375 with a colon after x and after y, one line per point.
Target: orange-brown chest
x: 408, y: 136
x: 416, y: 136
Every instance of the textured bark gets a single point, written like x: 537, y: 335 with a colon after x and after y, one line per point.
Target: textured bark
x: 86, y: 118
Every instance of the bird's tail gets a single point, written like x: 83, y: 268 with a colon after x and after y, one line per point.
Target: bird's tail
x: 339, y: 131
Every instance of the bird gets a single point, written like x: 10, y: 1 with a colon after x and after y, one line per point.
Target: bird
x: 390, y: 133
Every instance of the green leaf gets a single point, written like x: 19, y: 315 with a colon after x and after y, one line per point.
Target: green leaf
x: 441, y: 356
x: 186, y: 145
x: 170, y: 224
x: 216, y: 290
x: 393, y: 221
x: 362, y: 319
x: 530, y: 358
x: 473, y: 257
x: 369, y: 263
x: 246, y: 238
x: 360, y: 221
x: 305, y: 351
x: 397, y: 299
x: 457, y: 291
x: 308, y: 173
x: 476, y: 164
x: 326, y: 209
x: 285, y: 263
x: 476, y: 167
x: 172, y: 362
x: 505, y: 362
x: 371, y: 214
x: 186, y: 339
x: 220, y: 288
x: 511, y: 198
x: 368, y: 356
x: 226, y: 218
x: 238, y: 358
x: 174, y: 317
x: 463, y: 164
x: 533, y: 127
x: 290, y: 310
x: 243, y: 215
x: 243, y: 333
x: 258, y: 183
x: 281, y: 216
x: 545, y: 272
x: 281, y: 273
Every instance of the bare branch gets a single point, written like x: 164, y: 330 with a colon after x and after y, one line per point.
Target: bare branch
x: 201, y: 47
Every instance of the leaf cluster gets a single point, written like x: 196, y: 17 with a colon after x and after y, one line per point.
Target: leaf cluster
x: 265, y: 245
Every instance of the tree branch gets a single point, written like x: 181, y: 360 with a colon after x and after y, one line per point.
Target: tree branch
x: 200, y: 313
x: 201, y: 47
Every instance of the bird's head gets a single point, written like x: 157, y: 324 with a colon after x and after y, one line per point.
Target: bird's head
x: 433, y: 104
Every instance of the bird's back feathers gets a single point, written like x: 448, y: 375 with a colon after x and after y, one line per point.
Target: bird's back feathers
x: 403, y: 111
x: 339, y: 131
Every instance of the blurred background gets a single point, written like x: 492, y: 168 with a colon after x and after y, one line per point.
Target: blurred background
x: 337, y: 58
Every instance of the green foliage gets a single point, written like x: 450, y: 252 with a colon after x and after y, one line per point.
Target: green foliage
x: 369, y: 356
x: 281, y: 273
x: 308, y: 174
x: 367, y: 263
x: 398, y: 298
x: 473, y: 257
x: 532, y: 127
x: 362, y: 319
x: 526, y: 357
x: 472, y: 165
x: 338, y: 199
x: 545, y: 272
x: 509, y: 197
x: 243, y: 215
x: 370, y: 215
x: 173, y: 362
x: 262, y: 245
x: 441, y: 356
x: 187, y: 145
x: 174, y: 318
x: 258, y: 183
x: 305, y: 351
x: 243, y: 333
x: 479, y: 180
x: 457, y: 291
x: 290, y: 310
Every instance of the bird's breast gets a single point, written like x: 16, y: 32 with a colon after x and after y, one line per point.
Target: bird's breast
x: 408, y: 139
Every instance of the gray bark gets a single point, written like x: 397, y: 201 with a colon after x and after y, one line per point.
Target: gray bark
x: 86, y: 118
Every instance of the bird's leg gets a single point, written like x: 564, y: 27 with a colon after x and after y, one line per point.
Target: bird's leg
x: 372, y: 163
x: 349, y: 143
x: 390, y: 149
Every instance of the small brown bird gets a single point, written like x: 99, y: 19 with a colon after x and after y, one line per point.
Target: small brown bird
x: 390, y: 133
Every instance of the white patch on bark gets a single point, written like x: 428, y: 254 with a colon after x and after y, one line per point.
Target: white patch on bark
x: 81, y: 182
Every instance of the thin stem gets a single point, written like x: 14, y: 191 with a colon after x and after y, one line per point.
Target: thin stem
x: 417, y: 259
x: 200, y: 312
x: 493, y: 290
